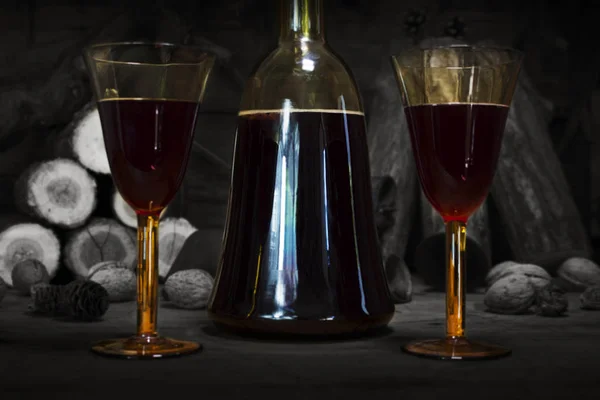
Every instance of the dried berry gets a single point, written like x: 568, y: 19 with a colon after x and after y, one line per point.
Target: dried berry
x: 414, y: 21
x: 456, y: 27
x: 513, y: 294
x: 590, y: 298
x: 45, y: 298
x: 27, y: 273
x: 551, y: 301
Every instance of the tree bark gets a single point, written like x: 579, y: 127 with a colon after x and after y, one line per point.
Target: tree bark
x: 395, y: 185
x: 539, y: 217
x: 391, y: 156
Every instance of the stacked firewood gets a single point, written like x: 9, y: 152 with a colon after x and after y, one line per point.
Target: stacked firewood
x: 59, y: 221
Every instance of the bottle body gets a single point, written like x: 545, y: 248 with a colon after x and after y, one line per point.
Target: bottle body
x: 300, y: 252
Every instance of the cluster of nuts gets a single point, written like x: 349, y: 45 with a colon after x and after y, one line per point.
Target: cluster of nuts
x: 189, y: 289
x: 515, y: 288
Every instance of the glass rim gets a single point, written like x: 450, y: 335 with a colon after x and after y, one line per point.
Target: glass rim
x: 515, y: 55
x: 206, y: 54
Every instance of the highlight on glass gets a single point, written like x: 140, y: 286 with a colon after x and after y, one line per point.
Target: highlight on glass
x: 456, y: 100
x: 148, y: 95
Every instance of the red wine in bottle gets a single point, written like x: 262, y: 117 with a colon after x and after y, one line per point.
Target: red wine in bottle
x: 300, y: 228
x: 456, y: 148
x: 147, y: 142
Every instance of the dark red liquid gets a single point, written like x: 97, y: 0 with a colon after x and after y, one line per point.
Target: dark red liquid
x: 456, y: 148
x: 300, y: 249
x: 148, y: 144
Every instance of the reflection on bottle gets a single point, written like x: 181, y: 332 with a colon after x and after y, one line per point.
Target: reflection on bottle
x: 282, y: 270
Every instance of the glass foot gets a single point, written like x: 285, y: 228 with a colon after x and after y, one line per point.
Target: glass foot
x: 140, y: 347
x: 455, y: 349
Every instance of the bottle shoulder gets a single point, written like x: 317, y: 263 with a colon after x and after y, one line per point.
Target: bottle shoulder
x: 305, y: 76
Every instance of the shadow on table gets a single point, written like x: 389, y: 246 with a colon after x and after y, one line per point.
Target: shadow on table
x: 227, y: 334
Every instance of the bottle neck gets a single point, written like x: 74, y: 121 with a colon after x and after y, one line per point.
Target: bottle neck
x: 301, y: 20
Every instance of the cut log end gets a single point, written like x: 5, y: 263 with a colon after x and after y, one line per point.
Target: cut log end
x: 172, y: 234
x: 59, y: 191
x: 28, y: 241
x: 124, y: 212
x: 88, y: 143
x: 101, y: 240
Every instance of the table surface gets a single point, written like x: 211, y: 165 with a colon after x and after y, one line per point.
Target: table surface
x: 552, y: 357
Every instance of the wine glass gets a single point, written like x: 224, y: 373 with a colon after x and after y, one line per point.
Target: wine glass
x: 456, y: 101
x: 148, y: 95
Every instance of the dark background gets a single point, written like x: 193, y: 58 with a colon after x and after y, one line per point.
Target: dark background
x: 43, y: 81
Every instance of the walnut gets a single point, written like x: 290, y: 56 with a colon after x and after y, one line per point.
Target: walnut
x: 578, y: 273
x: 189, y: 288
x: 513, y: 294
x: 590, y: 298
x: 537, y: 275
x: 117, y: 278
x: 27, y: 273
x: 492, y: 275
x: 551, y: 301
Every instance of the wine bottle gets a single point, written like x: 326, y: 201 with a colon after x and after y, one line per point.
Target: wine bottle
x: 300, y: 252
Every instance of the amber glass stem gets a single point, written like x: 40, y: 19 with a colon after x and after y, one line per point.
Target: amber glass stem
x: 147, y: 277
x: 456, y: 239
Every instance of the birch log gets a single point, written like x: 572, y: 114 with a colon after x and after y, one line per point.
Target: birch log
x: 82, y: 140
x: 60, y: 192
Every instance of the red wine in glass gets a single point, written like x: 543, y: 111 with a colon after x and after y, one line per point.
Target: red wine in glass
x: 456, y: 100
x: 148, y: 95
x: 148, y: 142
x: 456, y: 148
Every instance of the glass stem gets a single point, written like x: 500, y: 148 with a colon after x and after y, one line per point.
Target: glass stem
x: 147, y: 276
x: 456, y: 238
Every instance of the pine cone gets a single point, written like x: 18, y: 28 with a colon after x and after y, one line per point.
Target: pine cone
x: 45, y: 298
x: 64, y: 300
x: 85, y: 300
x: 551, y: 301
